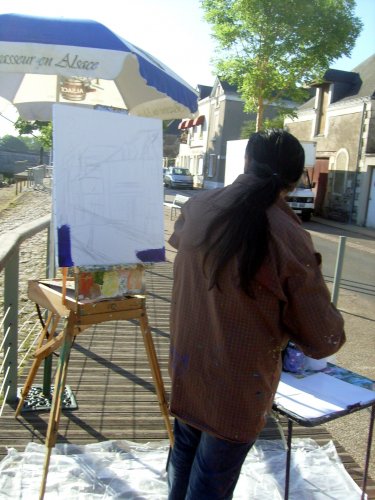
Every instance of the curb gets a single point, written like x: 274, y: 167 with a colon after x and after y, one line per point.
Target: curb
x: 364, y: 231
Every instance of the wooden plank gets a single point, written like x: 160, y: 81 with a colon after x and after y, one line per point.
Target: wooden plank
x: 105, y: 306
x: 47, y: 297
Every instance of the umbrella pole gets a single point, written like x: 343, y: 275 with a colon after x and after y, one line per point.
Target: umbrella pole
x: 57, y: 88
x: 64, y: 278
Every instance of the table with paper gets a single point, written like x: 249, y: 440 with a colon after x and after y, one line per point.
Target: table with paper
x: 319, y: 397
x: 311, y: 399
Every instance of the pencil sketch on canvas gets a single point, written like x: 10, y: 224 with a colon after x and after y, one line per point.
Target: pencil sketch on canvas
x: 108, y: 188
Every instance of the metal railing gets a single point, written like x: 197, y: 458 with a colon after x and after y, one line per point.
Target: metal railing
x: 33, y: 177
x: 17, y: 341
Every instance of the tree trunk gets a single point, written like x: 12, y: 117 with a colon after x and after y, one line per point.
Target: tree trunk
x: 259, y: 120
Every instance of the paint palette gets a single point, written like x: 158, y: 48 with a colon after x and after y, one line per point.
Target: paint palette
x: 94, y: 284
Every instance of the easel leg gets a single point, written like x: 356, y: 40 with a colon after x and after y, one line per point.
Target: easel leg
x: 55, y: 414
x: 368, y: 451
x: 156, y: 374
x: 288, y: 459
x: 37, y: 361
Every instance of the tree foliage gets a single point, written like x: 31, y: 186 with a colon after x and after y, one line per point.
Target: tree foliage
x: 33, y: 143
x: 271, y: 49
x: 249, y: 127
x: 44, y: 130
x: 11, y: 143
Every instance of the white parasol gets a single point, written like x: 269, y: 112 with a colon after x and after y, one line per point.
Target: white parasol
x: 82, y: 62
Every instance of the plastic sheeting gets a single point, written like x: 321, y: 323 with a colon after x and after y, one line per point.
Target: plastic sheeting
x: 126, y: 470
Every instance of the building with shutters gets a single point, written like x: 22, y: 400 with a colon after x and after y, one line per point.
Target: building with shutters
x: 340, y: 118
x: 203, y: 140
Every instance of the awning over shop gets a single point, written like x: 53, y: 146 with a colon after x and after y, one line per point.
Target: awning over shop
x: 181, y: 125
x: 198, y: 121
x: 187, y: 123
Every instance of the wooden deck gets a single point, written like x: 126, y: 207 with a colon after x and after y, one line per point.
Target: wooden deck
x: 111, y: 380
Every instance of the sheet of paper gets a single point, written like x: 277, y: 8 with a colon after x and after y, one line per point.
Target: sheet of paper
x: 319, y: 395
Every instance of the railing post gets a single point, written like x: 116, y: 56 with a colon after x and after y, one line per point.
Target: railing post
x: 338, y: 270
x: 50, y: 264
x: 9, y: 264
x: 11, y: 278
x: 50, y: 273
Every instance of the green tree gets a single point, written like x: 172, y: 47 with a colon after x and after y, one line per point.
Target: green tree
x: 249, y: 127
x: 271, y: 49
x: 33, y: 143
x: 44, y: 129
x: 45, y: 136
x: 11, y: 143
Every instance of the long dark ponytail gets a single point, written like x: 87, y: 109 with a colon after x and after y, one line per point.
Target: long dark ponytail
x: 275, y: 160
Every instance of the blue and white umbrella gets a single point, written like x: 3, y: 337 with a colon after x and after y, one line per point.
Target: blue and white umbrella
x: 48, y: 60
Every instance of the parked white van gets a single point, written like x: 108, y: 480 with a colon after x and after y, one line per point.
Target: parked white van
x: 302, y: 199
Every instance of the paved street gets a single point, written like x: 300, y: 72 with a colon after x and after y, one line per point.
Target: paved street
x: 356, y: 306
x: 358, y: 271
x: 29, y: 205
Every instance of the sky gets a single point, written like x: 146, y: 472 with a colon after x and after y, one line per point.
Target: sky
x: 174, y: 31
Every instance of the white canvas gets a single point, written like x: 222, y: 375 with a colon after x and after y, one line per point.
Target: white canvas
x: 108, y: 188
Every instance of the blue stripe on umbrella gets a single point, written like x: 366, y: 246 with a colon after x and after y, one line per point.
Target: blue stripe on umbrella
x: 54, y: 31
x: 91, y: 34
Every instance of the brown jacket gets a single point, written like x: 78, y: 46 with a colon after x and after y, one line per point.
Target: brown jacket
x: 225, y: 352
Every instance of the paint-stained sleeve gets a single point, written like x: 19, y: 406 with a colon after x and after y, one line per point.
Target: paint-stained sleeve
x: 312, y: 321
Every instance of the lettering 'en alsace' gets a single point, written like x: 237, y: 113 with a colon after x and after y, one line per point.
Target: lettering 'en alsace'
x: 74, y: 62
x: 68, y: 61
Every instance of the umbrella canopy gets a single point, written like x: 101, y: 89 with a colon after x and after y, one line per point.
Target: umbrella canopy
x: 48, y: 60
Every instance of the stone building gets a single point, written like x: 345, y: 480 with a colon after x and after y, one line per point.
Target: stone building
x: 221, y: 117
x: 340, y: 118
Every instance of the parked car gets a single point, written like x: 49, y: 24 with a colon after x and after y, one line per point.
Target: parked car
x: 178, y: 177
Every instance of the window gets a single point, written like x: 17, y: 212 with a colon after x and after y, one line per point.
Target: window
x: 322, y: 107
x: 180, y: 171
x: 338, y: 186
x: 304, y: 181
x: 200, y: 166
x: 194, y: 165
x: 199, y: 129
x: 212, y: 166
x: 340, y: 172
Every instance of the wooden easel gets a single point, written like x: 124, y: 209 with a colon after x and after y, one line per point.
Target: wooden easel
x: 57, y: 296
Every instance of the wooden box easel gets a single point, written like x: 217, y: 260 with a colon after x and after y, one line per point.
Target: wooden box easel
x: 61, y: 302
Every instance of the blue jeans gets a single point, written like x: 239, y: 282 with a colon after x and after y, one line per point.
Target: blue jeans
x: 203, y: 467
